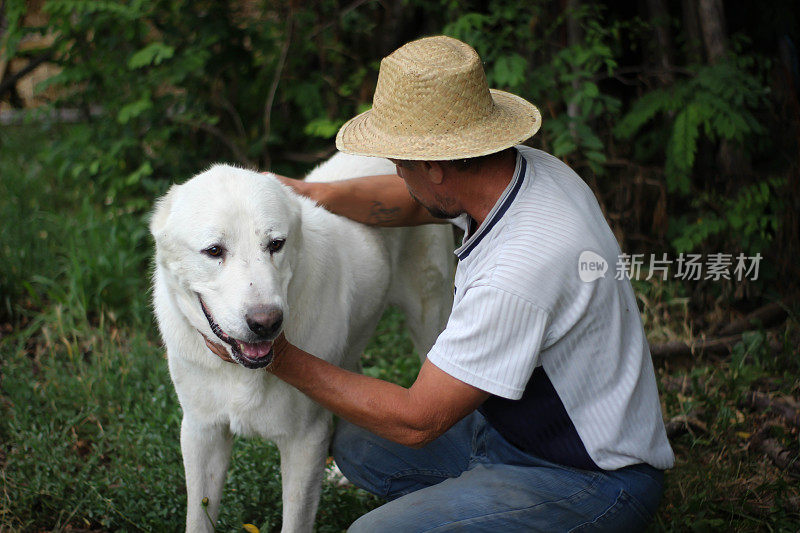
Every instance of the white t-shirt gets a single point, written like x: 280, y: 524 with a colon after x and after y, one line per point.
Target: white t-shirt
x: 566, y: 361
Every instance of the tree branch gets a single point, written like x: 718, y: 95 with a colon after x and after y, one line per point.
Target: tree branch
x: 274, y: 88
x: 237, y: 152
x: 10, y: 82
x: 339, y: 15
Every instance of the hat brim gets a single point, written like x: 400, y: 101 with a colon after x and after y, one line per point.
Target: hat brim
x: 512, y: 121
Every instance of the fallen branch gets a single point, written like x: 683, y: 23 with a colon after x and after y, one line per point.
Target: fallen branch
x: 783, y: 458
x: 764, y: 402
x: 9, y: 117
x: 720, y: 346
x: 769, y: 315
x: 688, y: 423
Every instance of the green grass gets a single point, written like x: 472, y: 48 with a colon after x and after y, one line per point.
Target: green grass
x: 720, y: 483
x: 90, y: 438
x: 89, y: 421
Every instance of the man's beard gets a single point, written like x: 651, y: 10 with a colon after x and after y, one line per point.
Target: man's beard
x: 436, y: 212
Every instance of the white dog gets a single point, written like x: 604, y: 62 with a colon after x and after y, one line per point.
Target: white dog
x: 240, y: 258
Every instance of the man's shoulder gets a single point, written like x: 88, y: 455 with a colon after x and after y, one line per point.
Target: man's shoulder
x: 545, y: 162
x: 557, y: 209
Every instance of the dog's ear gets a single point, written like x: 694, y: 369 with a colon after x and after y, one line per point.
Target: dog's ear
x: 158, y: 219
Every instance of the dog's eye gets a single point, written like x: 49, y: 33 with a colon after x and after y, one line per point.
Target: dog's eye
x: 214, y: 251
x: 275, y: 245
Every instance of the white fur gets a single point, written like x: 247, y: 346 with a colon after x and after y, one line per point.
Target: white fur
x: 332, y: 278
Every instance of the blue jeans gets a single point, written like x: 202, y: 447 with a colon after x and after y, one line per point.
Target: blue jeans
x: 472, y: 479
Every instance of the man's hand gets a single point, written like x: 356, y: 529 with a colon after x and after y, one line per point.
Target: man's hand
x: 314, y: 191
x: 218, y: 349
x: 279, y: 345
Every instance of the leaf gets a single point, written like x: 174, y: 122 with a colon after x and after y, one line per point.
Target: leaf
x: 590, y: 90
x: 509, y: 71
x: 136, y: 176
x: 647, y: 107
x: 152, y: 54
x: 465, y: 25
x: 563, y: 144
x: 683, y: 147
x: 134, y: 109
x: 323, y: 127
x: 14, y: 22
x: 597, y: 157
x: 250, y: 528
x: 684, y: 137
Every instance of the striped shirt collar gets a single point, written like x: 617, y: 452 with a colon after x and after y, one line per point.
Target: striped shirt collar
x: 474, y: 237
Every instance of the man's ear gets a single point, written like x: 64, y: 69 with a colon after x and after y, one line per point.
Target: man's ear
x: 434, y: 170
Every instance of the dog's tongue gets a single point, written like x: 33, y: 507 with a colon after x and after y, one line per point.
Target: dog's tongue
x: 256, y: 350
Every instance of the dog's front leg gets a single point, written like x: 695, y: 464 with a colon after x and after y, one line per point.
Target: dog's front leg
x: 302, y: 469
x: 206, y: 453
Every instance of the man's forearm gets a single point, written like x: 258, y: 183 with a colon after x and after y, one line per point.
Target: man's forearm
x: 384, y: 408
x: 373, y: 200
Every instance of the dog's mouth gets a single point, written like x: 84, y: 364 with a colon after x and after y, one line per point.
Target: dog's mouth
x: 247, y: 354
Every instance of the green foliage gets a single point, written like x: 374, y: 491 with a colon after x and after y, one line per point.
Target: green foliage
x: 24, y: 242
x: 152, y: 54
x: 170, y: 87
x: 752, y: 215
x: 720, y: 480
x: 719, y: 101
x: 577, y: 67
x: 323, y: 127
x: 90, y: 261
x: 390, y: 354
x: 89, y: 426
x: 563, y: 82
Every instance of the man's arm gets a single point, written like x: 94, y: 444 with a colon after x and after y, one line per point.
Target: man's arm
x: 374, y: 200
x: 412, y: 417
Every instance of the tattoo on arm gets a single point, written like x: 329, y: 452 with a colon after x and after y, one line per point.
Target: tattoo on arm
x: 380, y: 214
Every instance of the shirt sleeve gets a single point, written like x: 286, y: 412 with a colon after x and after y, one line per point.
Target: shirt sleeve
x: 492, y: 341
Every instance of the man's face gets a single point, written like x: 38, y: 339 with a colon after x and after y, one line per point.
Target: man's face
x: 422, y: 190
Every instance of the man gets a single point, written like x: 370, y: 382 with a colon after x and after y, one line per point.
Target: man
x: 537, y: 407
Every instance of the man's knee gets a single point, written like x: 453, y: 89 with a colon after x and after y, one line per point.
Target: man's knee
x: 348, y: 441
x: 358, y: 457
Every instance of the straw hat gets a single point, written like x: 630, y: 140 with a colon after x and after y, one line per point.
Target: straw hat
x: 432, y: 103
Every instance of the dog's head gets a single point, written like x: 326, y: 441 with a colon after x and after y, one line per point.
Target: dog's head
x: 226, y: 242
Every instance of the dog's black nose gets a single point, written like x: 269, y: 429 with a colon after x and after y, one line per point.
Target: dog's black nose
x: 265, y: 321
